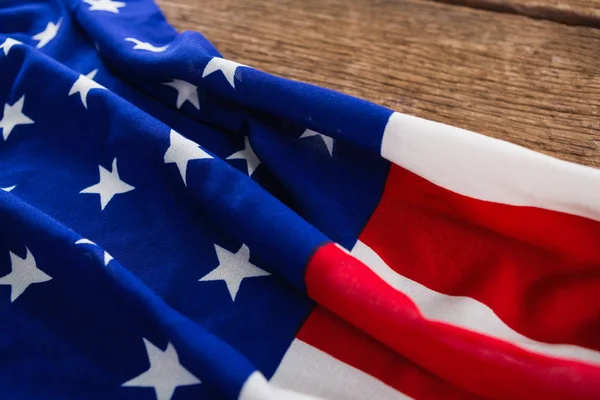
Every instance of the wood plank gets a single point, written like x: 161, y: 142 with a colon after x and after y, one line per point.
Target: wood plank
x: 570, y: 12
x: 535, y: 83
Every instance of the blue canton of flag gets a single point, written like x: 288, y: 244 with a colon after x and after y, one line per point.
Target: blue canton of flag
x: 145, y: 249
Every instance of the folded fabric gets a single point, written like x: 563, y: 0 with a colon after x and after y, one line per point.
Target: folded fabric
x: 176, y: 225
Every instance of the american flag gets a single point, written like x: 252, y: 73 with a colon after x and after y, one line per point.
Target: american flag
x: 176, y: 225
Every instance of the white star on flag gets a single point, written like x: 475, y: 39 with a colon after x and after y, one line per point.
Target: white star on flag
x: 247, y: 154
x: 8, y: 189
x: 45, y: 36
x: 8, y: 44
x: 110, y: 185
x: 165, y: 373
x: 84, y: 84
x: 107, y: 257
x: 326, y: 139
x: 233, y: 268
x: 13, y: 116
x: 185, y: 92
x: 227, y: 67
x: 24, y: 273
x: 139, y: 45
x: 181, y: 151
x: 105, y: 5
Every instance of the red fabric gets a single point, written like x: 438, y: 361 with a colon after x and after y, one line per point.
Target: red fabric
x: 538, y: 270
x: 471, y: 361
x: 341, y: 340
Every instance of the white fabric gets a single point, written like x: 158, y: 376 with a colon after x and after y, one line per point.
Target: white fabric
x: 256, y: 387
x: 305, y: 368
x: 490, y: 169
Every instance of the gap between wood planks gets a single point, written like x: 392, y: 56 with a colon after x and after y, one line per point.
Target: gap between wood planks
x: 568, y: 12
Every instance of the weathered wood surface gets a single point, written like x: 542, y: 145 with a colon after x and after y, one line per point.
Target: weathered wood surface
x: 532, y: 82
x: 571, y: 12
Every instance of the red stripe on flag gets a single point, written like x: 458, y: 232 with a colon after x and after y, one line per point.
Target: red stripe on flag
x: 471, y: 361
x: 330, y: 334
x: 539, y: 270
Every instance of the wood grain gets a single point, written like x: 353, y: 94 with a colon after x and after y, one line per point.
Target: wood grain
x: 570, y: 12
x: 532, y: 82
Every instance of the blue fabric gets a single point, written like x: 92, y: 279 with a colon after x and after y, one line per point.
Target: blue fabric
x: 81, y: 333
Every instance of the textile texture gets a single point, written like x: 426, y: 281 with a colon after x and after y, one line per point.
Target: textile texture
x: 176, y: 225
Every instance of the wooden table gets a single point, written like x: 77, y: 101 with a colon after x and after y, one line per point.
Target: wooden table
x: 526, y: 71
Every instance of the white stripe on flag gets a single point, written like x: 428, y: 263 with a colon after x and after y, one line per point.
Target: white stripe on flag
x: 256, y: 387
x: 489, y: 169
x: 465, y: 312
x: 306, y: 369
